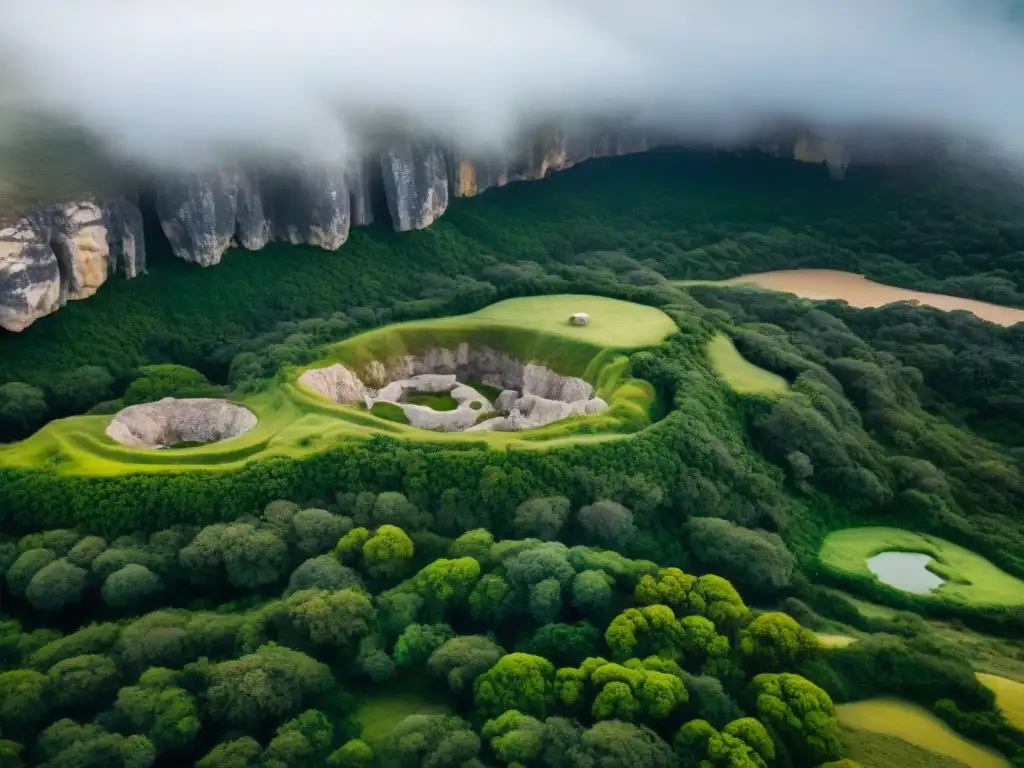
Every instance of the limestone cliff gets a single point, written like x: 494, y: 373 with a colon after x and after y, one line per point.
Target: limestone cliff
x: 66, y: 251
x: 416, y: 184
x: 63, y: 253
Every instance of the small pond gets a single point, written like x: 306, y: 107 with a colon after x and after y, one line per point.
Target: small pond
x: 905, y: 570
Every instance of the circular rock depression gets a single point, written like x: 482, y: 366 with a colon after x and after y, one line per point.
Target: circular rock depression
x: 531, y: 395
x: 172, y: 421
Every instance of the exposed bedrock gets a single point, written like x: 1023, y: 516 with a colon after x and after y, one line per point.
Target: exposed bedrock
x: 172, y: 421
x: 66, y: 252
x: 533, y: 395
x: 416, y: 184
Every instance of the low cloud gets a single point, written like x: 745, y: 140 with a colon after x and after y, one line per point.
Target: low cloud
x: 179, y: 82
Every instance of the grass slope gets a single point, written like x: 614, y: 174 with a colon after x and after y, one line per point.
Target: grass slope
x: 742, y: 375
x: 879, y: 750
x: 379, y: 714
x: 295, y: 422
x: 970, y: 578
x: 1009, y: 697
x: 917, y: 726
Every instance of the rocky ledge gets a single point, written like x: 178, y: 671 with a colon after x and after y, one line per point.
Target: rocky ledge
x: 532, y: 395
x: 172, y: 421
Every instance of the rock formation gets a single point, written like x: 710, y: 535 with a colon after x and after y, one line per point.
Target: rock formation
x: 533, y: 395
x: 171, y: 421
x: 66, y: 252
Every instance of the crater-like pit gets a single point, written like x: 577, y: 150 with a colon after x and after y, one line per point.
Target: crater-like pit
x: 173, y: 422
x: 531, y: 395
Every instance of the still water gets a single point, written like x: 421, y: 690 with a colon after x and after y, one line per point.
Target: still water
x: 905, y: 570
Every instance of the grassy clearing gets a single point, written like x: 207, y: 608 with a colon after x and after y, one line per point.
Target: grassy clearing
x: 879, y: 750
x: 436, y: 402
x: 379, y: 714
x: 294, y: 422
x: 917, y: 726
x: 834, y: 641
x: 971, y: 579
x: 742, y: 375
x: 389, y: 411
x: 1009, y: 697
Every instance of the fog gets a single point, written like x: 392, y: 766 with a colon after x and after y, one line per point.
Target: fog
x: 180, y: 82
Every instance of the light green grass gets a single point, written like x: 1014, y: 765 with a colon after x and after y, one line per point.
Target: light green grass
x: 879, y: 750
x: 1009, y: 697
x: 741, y: 374
x: 379, y: 714
x: 295, y: 422
x: 389, y: 411
x: 435, y: 402
x: 829, y: 640
x: 918, y: 726
x: 971, y: 579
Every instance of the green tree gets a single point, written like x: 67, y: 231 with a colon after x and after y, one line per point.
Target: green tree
x: 615, y: 744
x: 160, y: 709
x: 492, y: 600
x: 82, y: 682
x: 56, y: 585
x: 22, y: 409
x: 432, y: 741
x: 350, y: 546
x: 742, y: 743
x: 708, y: 595
x: 94, y: 638
x: 156, y: 382
x: 11, y: 754
x: 392, y: 508
x: 355, y: 753
x: 774, y: 642
x: 28, y: 564
x: 339, y: 619
x: 462, y: 659
x: 755, y: 559
x: 516, y: 681
x: 66, y: 743
x: 264, y: 686
x: 237, y: 753
x: 323, y: 572
x: 645, y: 631
x: 86, y: 550
x: 388, y: 552
x: 419, y: 641
x: 542, y: 518
x: 801, y: 714
x: 79, y: 389
x: 563, y: 644
x: 23, y: 701
x: 130, y: 587
x: 303, y: 742
x: 515, y: 737
x: 607, y: 522
x: 592, y: 593
x: 476, y: 544
x: 249, y: 557
x: 317, y: 531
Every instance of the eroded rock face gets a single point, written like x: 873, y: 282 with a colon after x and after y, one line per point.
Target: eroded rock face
x: 171, y: 421
x: 204, y: 214
x: 336, y: 382
x: 66, y: 252
x: 415, y: 183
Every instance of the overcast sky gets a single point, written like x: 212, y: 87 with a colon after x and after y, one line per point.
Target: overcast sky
x: 174, y: 80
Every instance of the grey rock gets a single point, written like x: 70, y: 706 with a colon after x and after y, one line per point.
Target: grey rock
x: 506, y: 400
x: 204, y: 214
x: 335, y: 382
x: 65, y: 252
x: 172, y: 420
x: 312, y: 209
x: 415, y: 183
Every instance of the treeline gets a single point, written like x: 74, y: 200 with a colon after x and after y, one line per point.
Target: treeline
x: 543, y: 654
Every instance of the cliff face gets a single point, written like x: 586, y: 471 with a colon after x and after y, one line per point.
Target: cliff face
x: 66, y: 252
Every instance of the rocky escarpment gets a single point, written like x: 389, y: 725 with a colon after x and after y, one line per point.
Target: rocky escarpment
x: 66, y: 252
x: 173, y: 421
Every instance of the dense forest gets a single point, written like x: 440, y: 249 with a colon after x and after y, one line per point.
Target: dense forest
x: 643, y: 601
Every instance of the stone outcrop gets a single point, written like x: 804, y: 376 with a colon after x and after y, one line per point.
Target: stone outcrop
x: 416, y: 184
x: 171, y: 421
x: 533, y: 395
x: 66, y: 252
